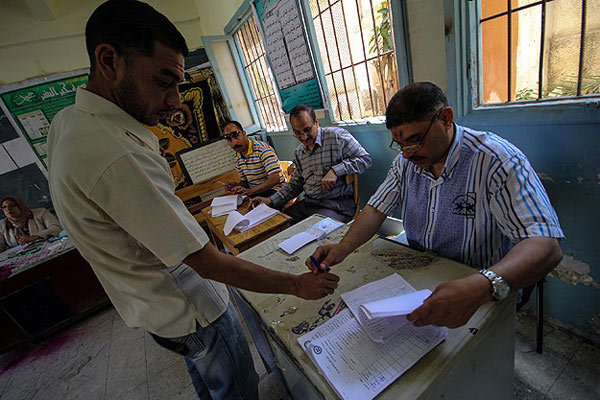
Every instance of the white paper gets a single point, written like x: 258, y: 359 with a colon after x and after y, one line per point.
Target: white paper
x: 225, y: 204
x: 379, y: 329
x: 234, y: 219
x: 296, y: 242
x: 358, y: 368
x: 259, y: 214
x: 206, y: 162
x: 242, y: 223
x: 314, y: 232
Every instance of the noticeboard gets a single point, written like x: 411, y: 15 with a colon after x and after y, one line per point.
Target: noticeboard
x: 33, y: 106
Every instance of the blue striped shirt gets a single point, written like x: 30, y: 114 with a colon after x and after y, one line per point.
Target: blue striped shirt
x: 487, y: 198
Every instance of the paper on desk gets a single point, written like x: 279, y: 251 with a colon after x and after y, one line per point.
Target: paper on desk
x: 381, y: 306
x: 314, y: 232
x: 225, y: 204
x: 242, y: 223
x: 358, y: 368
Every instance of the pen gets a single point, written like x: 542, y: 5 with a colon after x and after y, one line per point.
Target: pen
x: 317, y: 263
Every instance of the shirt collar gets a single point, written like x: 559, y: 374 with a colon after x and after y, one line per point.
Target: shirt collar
x: 97, y: 105
x: 451, y: 159
x: 250, y: 149
x: 318, y: 141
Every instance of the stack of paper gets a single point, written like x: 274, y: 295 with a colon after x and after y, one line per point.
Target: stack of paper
x: 242, y: 223
x: 225, y: 204
x: 357, y: 367
x: 316, y: 231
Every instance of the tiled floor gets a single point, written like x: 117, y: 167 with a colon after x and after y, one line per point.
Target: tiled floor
x: 101, y: 358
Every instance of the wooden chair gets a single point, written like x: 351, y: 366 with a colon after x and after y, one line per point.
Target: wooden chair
x: 289, y: 170
x: 353, y: 178
x: 287, y: 167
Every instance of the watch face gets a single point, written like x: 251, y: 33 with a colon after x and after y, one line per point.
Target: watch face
x: 501, y: 290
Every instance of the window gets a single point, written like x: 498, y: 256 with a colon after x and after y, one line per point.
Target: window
x: 253, y: 60
x: 356, y: 43
x: 533, y: 50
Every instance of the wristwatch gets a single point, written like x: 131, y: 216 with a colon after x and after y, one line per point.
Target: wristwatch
x: 500, y: 289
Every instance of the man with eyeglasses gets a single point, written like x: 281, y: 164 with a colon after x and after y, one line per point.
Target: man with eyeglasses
x: 322, y: 159
x: 256, y: 163
x: 467, y: 195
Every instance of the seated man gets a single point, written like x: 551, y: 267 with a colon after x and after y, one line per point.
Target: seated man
x: 467, y: 195
x: 322, y: 159
x: 257, y: 164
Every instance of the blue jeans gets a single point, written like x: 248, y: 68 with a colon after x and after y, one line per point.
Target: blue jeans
x: 218, y: 359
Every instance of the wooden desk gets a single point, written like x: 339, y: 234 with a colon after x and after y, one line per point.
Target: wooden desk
x: 43, y: 290
x: 206, y: 191
x: 476, y: 361
x: 237, y: 242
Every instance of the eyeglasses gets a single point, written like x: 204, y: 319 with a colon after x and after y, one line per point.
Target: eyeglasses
x: 304, y: 132
x: 233, y: 135
x: 411, y: 148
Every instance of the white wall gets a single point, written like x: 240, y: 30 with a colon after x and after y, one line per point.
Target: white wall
x: 31, y: 48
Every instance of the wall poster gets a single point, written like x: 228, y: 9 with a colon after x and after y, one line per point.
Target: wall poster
x: 33, y: 106
x: 288, y: 53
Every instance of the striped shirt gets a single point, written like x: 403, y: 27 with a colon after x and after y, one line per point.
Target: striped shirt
x: 258, y: 163
x: 335, y: 148
x: 487, y: 198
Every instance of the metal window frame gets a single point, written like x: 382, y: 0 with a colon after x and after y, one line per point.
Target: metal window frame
x: 464, y: 59
x: 237, y: 22
x: 401, y: 50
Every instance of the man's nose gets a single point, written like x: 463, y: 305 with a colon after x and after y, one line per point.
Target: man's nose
x: 173, y: 99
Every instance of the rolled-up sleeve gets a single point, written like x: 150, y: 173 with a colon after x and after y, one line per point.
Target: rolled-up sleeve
x: 142, y: 201
x: 388, y: 196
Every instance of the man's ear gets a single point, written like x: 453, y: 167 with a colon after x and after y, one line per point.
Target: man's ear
x: 447, y: 115
x: 108, y: 61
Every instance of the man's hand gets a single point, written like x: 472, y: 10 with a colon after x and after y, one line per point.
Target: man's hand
x: 241, y: 190
x: 329, y: 180
x: 257, y: 200
x: 329, y: 254
x: 231, y: 187
x: 312, y: 287
x: 453, y: 303
x: 27, y: 239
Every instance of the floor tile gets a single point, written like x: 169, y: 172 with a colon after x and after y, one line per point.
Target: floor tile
x: 581, y: 377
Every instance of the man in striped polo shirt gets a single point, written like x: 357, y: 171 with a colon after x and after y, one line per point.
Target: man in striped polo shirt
x: 467, y: 195
x: 257, y: 164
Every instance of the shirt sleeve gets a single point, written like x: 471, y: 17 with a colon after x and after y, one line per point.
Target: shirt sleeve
x: 519, y: 202
x: 355, y: 159
x: 270, y: 161
x: 388, y: 196
x: 138, y: 193
x: 51, y: 224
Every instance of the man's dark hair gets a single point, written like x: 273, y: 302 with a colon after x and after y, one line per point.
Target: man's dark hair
x: 239, y: 126
x: 300, y: 108
x: 133, y: 28
x: 416, y: 102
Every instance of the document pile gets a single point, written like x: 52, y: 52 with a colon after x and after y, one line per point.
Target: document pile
x: 366, y: 347
x: 225, y: 204
x: 316, y: 231
x: 242, y: 223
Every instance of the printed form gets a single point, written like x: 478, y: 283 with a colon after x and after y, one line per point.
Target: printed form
x: 358, y: 367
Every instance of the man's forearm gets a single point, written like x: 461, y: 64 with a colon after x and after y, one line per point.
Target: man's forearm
x: 271, y: 181
x: 366, y: 225
x: 528, y: 261
x: 211, y: 264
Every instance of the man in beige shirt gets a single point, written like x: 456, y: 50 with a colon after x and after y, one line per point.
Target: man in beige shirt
x: 115, y: 197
